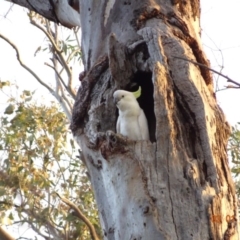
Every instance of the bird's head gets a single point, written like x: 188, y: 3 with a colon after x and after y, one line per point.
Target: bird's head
x: 123, y: 98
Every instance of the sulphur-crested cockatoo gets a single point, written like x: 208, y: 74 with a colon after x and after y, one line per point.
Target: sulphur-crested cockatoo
x: 132, y: 121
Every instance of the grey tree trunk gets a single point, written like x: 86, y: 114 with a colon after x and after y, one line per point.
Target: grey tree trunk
x: 178, y: 185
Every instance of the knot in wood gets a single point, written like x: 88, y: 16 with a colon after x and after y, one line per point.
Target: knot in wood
x: 192, y: 173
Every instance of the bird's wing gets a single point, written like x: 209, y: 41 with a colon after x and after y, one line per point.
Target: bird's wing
x: 118, y: 125
x: 142, y: 121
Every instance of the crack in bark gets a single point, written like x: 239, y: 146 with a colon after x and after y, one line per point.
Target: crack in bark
x: 169, y: 187
x: 193, y: 123
x: 152, y: 200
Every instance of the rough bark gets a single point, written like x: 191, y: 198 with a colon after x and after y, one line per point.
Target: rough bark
x: 178, y: 185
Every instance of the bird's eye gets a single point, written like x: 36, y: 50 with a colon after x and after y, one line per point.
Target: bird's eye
x: 122, y: 95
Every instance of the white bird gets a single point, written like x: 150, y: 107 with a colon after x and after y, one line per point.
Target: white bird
x: 132, y: 121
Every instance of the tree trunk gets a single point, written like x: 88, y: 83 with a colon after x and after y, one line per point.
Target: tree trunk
x: 178, y: 185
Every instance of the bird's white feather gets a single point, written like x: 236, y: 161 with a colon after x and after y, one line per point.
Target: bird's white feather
x: 132, y: 121
x: 142, y: 121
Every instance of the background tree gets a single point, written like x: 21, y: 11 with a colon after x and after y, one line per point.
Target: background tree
x: 35, y: 144
x: 234, y: 151
x: 178, y: 184
x: 64, y: 52
x: 43, y: 184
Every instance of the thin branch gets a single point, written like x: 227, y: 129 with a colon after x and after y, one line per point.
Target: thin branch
x: 48, y: 224
x: 35, y: 229
x: 22, y: 238
x: 221, y: 89
x: 81, y: 216
x: 59, y: 52
x: 55, y: 62
x: 63, y: 101
x: 47, y: 34
x: 48, y: 27
x: 210, y: 69
x: 67, y: 101
x: 67, y: 107
x: 216, y: 59
x: 59, y: 76
x: 71, y: 55
x: 25, y: 66
x: 75, y: 30
x: 8, y: 11
x: 231, y: 86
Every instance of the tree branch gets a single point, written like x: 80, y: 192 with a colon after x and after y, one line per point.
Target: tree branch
x: 81, y: 216
x: 55, y: 61
x: 63, y: 101
x: 25, y: 66
x: 65, y: 63
x: 75, y: 30
x: 59, y: 52
x: 68, y: 104
x: 72, y: 55
x: 4, y: 235
x: 57, y: 73
x: 210, y: 69
x: 65, y: 108
x: 10, y: 8
x: 48, y: 224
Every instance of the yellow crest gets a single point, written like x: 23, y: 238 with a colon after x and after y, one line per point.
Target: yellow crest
x: 138, y: 93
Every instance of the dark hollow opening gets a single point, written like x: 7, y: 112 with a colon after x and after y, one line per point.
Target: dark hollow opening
x: 146, y: 101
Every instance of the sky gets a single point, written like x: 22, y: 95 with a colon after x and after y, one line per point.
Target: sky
x: 16, y: 27
x: 221, y: 41
x: 220, y: 37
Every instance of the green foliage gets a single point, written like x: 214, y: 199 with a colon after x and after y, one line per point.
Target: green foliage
x: 38, y: 159
x: 234, y: 152
x: 234, y: 149
x: 71, y: 50
x: 69, y: 47
x: 4, y: 84
x: 38, y: 155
